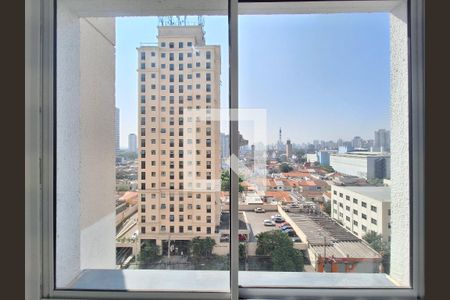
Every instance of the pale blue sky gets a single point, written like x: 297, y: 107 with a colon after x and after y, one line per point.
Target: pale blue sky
x: 319, y: 76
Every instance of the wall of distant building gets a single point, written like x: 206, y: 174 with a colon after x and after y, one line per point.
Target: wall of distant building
x: 364, y: 166
x: 361, y: 213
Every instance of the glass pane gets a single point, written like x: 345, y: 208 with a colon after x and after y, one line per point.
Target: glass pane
x: 140, y: 182
x: 315, y: 153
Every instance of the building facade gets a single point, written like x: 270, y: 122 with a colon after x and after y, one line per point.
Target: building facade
x: 382, y: 140
x: 368, y: 165
x: 179, y: 138
x: 362, y: 209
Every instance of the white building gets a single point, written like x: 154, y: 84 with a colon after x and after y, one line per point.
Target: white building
x: 362, y: 209
x: 132, y: 143
x: 312, y: 157
x: 368, y: 165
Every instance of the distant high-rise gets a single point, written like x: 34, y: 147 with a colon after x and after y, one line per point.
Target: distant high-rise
x: 357, y: 142
x: 224, y: 146
x: 132, y: 143
x: 288, y: 149
x: 382, y: 140
x: 280, y: 144
x: 117, y: 128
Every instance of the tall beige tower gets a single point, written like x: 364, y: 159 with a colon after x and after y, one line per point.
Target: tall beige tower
x: 179, y: 138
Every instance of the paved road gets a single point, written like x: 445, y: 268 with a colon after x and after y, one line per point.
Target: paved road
x: 256, y: 220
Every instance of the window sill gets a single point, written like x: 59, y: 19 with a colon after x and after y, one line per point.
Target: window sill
x: 218, y: 281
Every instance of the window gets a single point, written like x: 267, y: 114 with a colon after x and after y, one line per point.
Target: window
x: 373, y: 208
x: 156, y: 109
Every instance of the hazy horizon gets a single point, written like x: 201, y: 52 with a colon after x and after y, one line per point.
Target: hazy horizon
x: 320, y: 77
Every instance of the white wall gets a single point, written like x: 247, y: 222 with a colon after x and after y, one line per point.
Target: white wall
x: 85, y: 145
x: 68, y: 148
x: 97, y: 143
x: 400, y: 195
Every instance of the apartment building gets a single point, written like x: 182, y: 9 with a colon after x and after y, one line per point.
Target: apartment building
x: 368, y: 165
x: 362, y: 209
x: 179, y: 137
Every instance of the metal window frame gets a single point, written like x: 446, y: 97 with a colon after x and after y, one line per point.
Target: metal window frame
x: 46, y: 113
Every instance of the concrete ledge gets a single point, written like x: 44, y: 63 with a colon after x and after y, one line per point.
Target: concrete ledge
x: 219, y: 281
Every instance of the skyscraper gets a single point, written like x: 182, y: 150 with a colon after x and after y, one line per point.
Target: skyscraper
x: 288, y: 149
x: 179, y: 142
x: 132, y: 143
x: 224, y: 146
x: 117, y: 128
x: 382, y: 140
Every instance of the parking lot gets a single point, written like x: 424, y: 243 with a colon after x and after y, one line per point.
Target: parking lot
x: 255, y: 222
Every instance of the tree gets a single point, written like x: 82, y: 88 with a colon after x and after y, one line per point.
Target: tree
x: 202, y: 247
x: 149, y: 253
x: 242, y: 252
x: 285, y: 168
x: 280, y: 248
x: 328, y: 169
x: 225, y: 181
x: 375, y: 241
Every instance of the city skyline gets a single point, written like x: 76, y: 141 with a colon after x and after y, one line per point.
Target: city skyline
x: 366, y: 91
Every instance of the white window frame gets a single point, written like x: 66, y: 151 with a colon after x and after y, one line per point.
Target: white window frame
x: 40, y: 149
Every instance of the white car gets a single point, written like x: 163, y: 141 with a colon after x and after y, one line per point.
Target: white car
x: 275, y: 217
x: 269, y: 223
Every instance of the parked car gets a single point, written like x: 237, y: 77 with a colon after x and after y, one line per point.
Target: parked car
x: 279, y: 225
x: 260, y: 210
x: 269, y: 223
x: 296, y: 239
x: 290, y: 232
x: 275, y: 216
x: 225, y: 238
x: 242, y: 237
x: 279, y: 220
x: 294, y: 205
x: 286, y: 226
x: 285, y: 208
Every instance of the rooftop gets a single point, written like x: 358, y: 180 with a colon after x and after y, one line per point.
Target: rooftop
x: 362, y: 154
x: 321, y: 231
x: 380, y: 193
